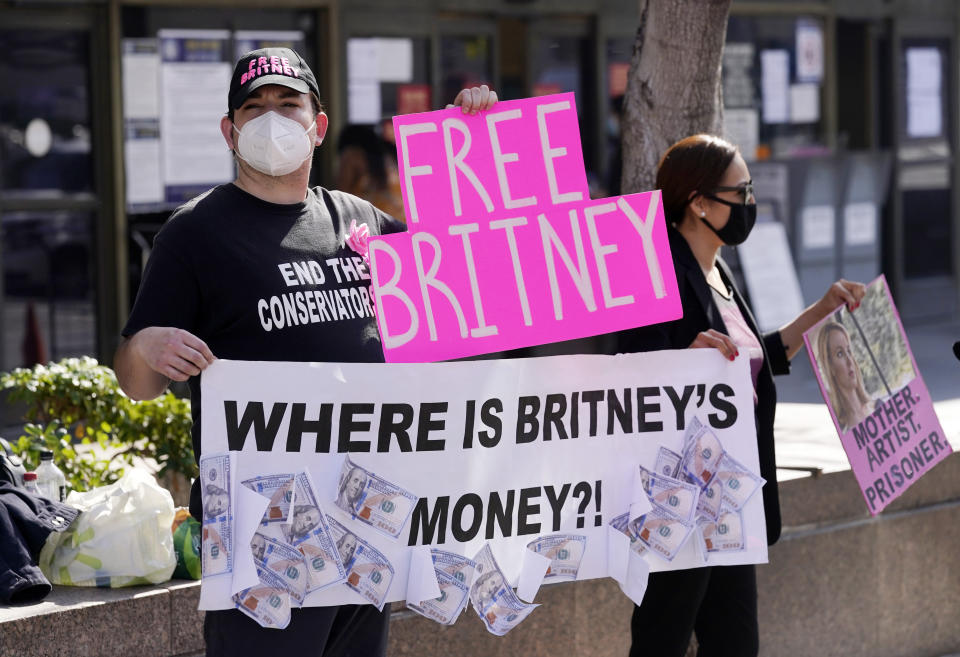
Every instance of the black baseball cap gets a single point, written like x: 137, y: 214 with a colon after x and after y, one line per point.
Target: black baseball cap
x: 270, y: 66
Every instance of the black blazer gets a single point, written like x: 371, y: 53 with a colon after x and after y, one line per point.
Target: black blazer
x: 699, y: 314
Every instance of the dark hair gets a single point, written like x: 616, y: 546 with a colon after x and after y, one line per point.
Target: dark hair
x: 694, y: 164
x: 317, y: 107
x: 364, y: 138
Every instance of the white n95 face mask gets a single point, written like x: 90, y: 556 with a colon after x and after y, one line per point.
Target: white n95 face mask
x: 273, y: 144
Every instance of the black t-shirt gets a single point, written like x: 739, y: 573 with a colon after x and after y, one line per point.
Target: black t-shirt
x: 261, y: 281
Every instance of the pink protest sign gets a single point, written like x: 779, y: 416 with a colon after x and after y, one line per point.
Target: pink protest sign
x: 571, y: 271
x: 515, y: 157
x: 504, y: 248
x: 877, y: 398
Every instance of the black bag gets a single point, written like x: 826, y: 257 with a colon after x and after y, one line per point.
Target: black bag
x: 11, y: 465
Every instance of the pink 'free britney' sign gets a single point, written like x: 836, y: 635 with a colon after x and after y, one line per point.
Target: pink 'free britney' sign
x: 877, y: 398
x: 505, y: 249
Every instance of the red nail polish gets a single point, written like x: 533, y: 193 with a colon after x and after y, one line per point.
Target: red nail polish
x: 732, y: 357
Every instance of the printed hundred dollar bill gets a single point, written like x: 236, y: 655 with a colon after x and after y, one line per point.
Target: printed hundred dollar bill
x: 723, y: 535
x: 454, y: 576
x: 492, y: 598
x: 217, y: 526
x: 668, y: 463
x: 622, y: 524
x: 702, y: 456
x: 283, y: 560
x: 369, y: 572
x: 309, y: 533
x: 273, y: 530
x: 323, y: 565
x: 645, y: 480
x: 662, y: 533
x: 446, y: 608
x: 277, y: 487
x: 676, y: 497
x: 711, y: 497
x: 565, y: 552
x: 455, y: 565
x: 268, y: 602
x: 306, y: 516
x: 739, y: 482
x: 373, y: 500
x: 693, y: 428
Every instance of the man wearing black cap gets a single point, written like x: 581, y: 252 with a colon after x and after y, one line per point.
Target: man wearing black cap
x: 260, y: 269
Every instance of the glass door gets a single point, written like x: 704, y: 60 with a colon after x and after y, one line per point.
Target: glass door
x: 467, y: 48
x: 923, y: 245
x: 48, y: 201
x: 561, y: 57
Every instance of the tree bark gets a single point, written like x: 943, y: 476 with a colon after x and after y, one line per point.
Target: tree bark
x: 673, y: 89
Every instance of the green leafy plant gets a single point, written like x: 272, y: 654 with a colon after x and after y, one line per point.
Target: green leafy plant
x: 76, y: 409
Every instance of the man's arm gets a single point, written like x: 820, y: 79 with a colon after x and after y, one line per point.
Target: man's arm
x: 148, y: 360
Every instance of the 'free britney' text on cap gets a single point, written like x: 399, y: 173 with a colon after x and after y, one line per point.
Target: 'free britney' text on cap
x: 270, y: 66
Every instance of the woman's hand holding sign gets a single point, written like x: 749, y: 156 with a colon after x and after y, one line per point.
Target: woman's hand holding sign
x: 712, y: 338
x: 843, y: 291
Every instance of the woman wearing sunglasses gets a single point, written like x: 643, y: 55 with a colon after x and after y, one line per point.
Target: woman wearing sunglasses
x: 708, y: 202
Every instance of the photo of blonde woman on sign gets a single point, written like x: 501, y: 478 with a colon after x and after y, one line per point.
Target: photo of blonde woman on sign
x: 844, y: 380
x: 861, y: 358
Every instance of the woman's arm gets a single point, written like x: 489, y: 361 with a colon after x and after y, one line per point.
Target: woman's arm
x: 841, y: 292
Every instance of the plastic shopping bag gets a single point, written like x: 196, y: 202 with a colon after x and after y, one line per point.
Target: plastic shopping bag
x: 121, y: 538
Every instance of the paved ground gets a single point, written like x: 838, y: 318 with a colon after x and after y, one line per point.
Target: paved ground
x: 805, y: 433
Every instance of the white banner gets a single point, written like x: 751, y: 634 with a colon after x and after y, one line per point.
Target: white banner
x: 498, y: 451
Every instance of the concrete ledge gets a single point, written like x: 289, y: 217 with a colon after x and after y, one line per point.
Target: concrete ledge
x: 838, y: 583
x: 879, y: 589
x: 145, y: 621
x: 836, y: 497
x: 842, y: 583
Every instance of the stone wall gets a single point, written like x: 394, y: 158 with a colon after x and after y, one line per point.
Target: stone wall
x: 842, y: 583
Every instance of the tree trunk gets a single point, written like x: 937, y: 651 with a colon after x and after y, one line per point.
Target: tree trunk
x: 674, y: 86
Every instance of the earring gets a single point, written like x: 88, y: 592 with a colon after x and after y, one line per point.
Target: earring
x: 702, y: 213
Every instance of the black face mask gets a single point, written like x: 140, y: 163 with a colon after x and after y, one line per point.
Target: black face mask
x: 742, y: 219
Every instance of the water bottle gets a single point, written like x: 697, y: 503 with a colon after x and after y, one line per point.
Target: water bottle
x: 30, y: 483
x: 50, y: 479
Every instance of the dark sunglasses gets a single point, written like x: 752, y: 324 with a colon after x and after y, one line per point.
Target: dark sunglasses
x: 745, y: 190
